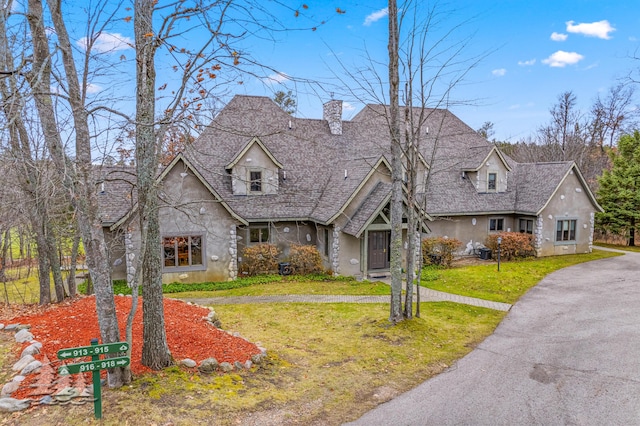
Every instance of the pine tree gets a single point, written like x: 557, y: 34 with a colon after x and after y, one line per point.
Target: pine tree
x: 619, y: 190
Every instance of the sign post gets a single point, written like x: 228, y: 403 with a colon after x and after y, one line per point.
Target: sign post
x: 95, y: 365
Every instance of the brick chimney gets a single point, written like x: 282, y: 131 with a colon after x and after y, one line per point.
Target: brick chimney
x: 332, y: 112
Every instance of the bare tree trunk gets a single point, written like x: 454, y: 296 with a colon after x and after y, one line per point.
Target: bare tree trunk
x: 395, y: 314
x: 73, y: 262
x: 81, y: 187
x: 155, y: 350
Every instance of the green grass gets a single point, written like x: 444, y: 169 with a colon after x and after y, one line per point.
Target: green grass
x: 619, y: 247
x: 326, y: 364
x: 508, y: 285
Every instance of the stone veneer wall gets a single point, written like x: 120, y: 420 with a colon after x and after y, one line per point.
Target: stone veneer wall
x: 130, y: 257
x: 592, y: 224
x: 335, y: 251
x: 233, y: 251
x: 538, y: 240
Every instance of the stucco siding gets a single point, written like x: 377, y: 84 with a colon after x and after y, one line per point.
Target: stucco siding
x: 570, y: 202
x: 191, y: 210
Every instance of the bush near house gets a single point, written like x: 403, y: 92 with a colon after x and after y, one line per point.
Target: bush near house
x: 439, y: 250
x: 305, y: 259
x: 259, y: 259
x: 515, y: 245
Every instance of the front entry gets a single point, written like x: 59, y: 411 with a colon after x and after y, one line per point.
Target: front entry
x: 379, y: 249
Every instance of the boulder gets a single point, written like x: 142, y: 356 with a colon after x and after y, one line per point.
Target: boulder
x: 12, y: 404
x: 31, y: 367
x: 30, y: 350
x: 226, y: 367
x: 9, y: 388
x: 189, y: 363
x: 208, y: 365
x: 23, y: 336
x: 23, y: 362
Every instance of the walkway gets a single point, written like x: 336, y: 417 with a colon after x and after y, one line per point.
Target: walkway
x: 426, y: 295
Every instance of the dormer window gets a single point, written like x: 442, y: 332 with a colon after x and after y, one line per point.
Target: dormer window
x: 255, y: 181
x: 491, y: 181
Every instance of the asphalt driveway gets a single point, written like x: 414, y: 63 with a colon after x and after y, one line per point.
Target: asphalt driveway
x: 568, y: 353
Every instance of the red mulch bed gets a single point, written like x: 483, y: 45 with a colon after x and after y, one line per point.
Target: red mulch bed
x: 74, y: 323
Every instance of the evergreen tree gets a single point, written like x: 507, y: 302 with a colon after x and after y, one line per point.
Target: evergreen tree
x: 619, y: 191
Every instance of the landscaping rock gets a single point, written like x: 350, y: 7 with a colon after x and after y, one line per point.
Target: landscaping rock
x: 24, y: 326
x: 31, y: 367
x: 23, y: 362
x: 46, y: 400
x: 213, y: 316
x: 217, y: 324
x: 1, y: 326
x: 30, y: 350
x: 208, y: 365
x: 11, y: 404
x: 238, y: 365
x: 258, y: 358
x: 18, y: 378
x: 66, y: 394
x: 226, y: 367
x: 11, y: 327
x: 248, y: 364
x: 188, y: 363
x: 9, y: 388
x: 23, y: 336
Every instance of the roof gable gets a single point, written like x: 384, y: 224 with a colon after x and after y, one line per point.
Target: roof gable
x: 254, y: 141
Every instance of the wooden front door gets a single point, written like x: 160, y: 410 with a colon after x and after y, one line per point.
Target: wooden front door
x: 378, y: 249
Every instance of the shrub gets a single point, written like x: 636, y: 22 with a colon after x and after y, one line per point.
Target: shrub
x: 439, y: 250
x: 515, y: 245
x: 259, y: 259
x: 305, y: 260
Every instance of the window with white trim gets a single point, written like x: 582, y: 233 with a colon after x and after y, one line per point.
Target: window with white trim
x: 183, y: 252
x: 566, y: 230
x: 255, y: 181
x: 492, y: 179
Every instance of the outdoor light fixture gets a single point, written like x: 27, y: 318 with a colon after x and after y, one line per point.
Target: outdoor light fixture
x: 499, y: 242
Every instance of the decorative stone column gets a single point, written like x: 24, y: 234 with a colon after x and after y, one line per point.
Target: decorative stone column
x: 592, y: 224
x: 129, y: 256
x: 233, y: 251
x: 538, y: 240
x: 335, y: 251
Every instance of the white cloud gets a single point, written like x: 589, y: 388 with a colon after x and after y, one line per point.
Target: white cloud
x: 560, y: 59
x: 527, y: 63
x: 600, y: 29
x: 93, y: 88
x: 278, y: 77
x: 346, y: 106
x: 558, y: 36
x: 375, y: 16
x: 107, y: 42
x: 499, y: 72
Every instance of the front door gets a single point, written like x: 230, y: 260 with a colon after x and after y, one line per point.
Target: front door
x: 379, y: 249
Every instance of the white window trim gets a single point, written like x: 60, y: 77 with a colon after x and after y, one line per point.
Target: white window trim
x: 249, y: 181
x: 492, y: 172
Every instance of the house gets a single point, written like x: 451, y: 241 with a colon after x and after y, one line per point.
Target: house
x: 257, y: 174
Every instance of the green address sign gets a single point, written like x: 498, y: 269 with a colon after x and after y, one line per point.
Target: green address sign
x: 107, y: 348
x: 85, y: 367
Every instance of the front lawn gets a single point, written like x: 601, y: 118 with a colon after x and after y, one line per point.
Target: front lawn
x: 508, y: 285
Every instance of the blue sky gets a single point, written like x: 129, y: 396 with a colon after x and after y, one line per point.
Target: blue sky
x: 531, y: 52
x: 535, y: 50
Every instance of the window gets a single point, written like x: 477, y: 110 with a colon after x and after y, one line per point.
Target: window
x: 255, y: 181
x: 566, y: 230
x: 326, y: 242
x: 496, y: 224
x: 259, y: 235
x: 491, y: 181
x: 526, y: 226
x: 182, y: 252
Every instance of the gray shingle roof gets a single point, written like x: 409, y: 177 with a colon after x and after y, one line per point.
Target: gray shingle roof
x: 315, y: 162
x: 380, y: 194
x: 119, y: 193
